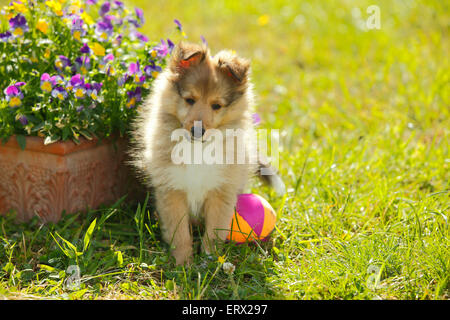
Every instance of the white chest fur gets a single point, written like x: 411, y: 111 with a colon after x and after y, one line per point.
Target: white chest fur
x: 196, y: 180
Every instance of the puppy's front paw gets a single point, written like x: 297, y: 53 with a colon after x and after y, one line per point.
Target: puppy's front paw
x: 182, y: 255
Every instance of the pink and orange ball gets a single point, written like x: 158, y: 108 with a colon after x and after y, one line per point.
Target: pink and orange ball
x: 254, y: 219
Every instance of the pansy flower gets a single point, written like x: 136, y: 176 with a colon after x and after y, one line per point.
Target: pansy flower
x: 59, y: 92
x: 161, y: 50
x: 152, y: 70
x: 118, y: 5
x: 77, y: 29
x: 93, y: 90
x: 134, y: 70
x: 18, y: 25
x: 105, y: 7
x: 104, y: 29
x: 76, y: 85
x: 139, y: 15
x: 140, y: 36
x: 5, y: 36
x: 61, y: 63
x: 105, y: 61
x: 179, y: 27
x: 134, y: 97
x: 82, y: 64
x: 171, y: 45
x: 14, y: 95
x: 85, y: 49
x: 23, y: 120
x: 178, y: 23
x: 46, y: 83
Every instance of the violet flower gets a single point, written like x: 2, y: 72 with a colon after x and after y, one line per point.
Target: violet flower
x: 134, y: 97
x: 14, y: 95
x: 18, y: 25
x: 23, y: 120
x: 85, y: 49
x: 60, y: 93
x: 104, y: 9
x: 5, y: 36
x: 61, y: 63
x: 139, y: 15
x: 104, y: 29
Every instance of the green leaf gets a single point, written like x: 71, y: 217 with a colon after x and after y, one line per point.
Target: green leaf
x: 88, y: 235
x: 21, y: 140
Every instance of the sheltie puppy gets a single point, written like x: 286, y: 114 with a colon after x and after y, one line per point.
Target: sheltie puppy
x: 198, y: 102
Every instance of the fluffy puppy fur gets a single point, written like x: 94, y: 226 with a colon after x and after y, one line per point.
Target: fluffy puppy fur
x: 194, y: 87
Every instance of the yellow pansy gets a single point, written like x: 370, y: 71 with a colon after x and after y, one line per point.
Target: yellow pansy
x: 55, y: 6
x: 19, y: 7
x: 98, y: 49
x: 87, y: 18
x: 42, y: 26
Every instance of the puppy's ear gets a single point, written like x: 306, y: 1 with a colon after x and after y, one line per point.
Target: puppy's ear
x: 234, y: 67
x: 186, y: 55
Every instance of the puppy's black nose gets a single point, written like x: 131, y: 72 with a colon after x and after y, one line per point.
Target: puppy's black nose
x: 197, y: 132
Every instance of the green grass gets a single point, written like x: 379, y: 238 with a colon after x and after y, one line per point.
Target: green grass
x: 364, y: 120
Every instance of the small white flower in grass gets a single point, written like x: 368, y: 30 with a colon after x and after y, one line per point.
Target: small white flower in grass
x: 228, y: 268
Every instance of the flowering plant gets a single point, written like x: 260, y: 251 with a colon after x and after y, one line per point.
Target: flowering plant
x: 73, y: 67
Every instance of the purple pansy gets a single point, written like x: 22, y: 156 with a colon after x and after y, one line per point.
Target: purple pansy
x: 105, y: 61
x: 23, y: 120
x: 134, y: 70
x: 178, y: 23
x: 152, y: 70
x: 118, y: 5
x: 104, y: 29
x: 134, y: 97
x: 140, y: 36
x: 77, y: 29
x: 85, y: 49
x: 46, y: 82
x: 162, y: 49
x: 171, y: 45
x: 14, y: 95
x: 18, y: 25
x: 93, y: 90
x: 105, y: 7
x: 5, y: 36
x: 82, y: 64
x: 59, y: 92
x: 139, y: 15
x: 61, y: 63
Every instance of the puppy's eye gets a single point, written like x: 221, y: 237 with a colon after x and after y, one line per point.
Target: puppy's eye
x: 216, y: 106
x: 189, y: 101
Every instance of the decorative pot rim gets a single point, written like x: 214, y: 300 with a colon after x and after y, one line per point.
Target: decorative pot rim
x: 61, y: 148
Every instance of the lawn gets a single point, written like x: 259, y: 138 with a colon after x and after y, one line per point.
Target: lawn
x: 364, y: 118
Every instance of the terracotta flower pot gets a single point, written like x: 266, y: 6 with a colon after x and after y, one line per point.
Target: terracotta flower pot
x: 45, y: 180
